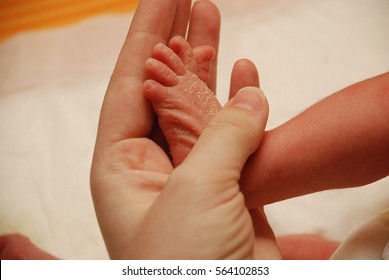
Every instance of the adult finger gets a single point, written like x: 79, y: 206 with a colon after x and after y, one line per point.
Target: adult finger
x: 181, y: 19
x: 230, y: 138
x: 265, y: 246
x: 204, y: 29
x: 19, y: 247
x: 124, y: 98
x: 151, y: 24
x: 244, y: 74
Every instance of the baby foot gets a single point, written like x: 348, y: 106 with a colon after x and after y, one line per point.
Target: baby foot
x: 179, y: 93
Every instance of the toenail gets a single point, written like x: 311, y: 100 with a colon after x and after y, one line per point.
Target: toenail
x: 150, y: 61
x: 161, y: 46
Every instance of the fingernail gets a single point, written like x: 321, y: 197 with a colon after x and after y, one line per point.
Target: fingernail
x: 249, y: 98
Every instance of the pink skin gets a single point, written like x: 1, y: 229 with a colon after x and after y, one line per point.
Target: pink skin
x: 19, y: 247
x: 178, y: 91
x: 306, y: 247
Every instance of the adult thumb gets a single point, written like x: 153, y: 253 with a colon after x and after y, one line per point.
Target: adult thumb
x: 203, y: 191
x: 230, y: 138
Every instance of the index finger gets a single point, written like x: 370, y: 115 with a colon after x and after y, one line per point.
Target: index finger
x: 125, y: 112
x: 180, y: 23
x: 204, y: 29
x: 151, y: 24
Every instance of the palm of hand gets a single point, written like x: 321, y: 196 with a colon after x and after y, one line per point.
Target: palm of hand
x: 142, y: 218
x: 130, y: 175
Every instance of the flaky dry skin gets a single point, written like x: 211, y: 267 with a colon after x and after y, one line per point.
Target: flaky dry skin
x: 178, y: 91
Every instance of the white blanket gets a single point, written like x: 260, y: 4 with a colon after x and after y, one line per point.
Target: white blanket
x: 52, y: 83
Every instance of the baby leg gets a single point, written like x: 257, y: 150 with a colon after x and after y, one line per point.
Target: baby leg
x: 179, y: 94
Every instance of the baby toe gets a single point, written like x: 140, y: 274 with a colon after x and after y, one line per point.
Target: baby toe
x: 160, y: 72
x: 185, y: 52
x: 167, y: 56
x: 154, y: 91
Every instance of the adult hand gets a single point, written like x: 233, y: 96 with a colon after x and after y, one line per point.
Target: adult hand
x: 191, y: 213
x: 199, y: 212
x: 129, y: 169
